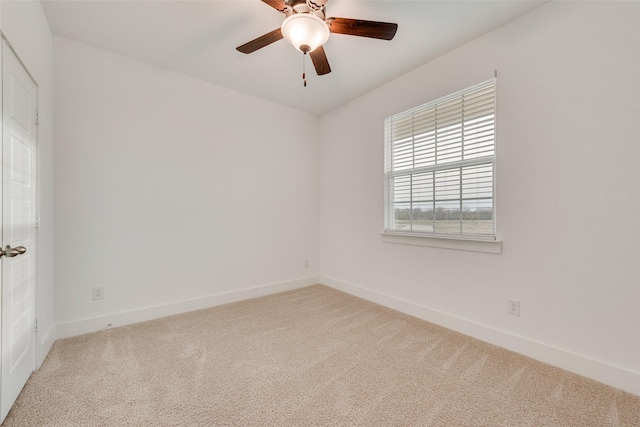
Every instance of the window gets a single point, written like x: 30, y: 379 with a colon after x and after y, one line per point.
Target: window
x: 440, y: 166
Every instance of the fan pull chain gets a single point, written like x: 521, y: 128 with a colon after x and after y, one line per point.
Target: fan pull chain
x: 304, y: 73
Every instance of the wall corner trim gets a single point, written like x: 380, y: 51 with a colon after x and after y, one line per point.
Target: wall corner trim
x: 94, y: 324
x: 603, y: 372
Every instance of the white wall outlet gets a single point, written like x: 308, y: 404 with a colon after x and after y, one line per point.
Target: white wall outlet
x: 98, y: 293
x: 513, y: 307
x: 306, y: 263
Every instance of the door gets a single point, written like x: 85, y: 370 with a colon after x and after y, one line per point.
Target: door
x: 19, y: 115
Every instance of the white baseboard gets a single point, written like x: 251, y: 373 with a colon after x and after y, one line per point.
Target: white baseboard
x: 94, y: 324
x: 603, y: 372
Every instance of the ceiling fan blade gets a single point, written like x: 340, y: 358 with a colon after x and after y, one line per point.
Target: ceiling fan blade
x: 276, y: 4
x: 319, y: 59
x: 358, y: 27
x: 261, y: 41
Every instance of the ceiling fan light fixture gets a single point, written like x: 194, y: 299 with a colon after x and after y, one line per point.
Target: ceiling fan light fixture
x: 305, y: 31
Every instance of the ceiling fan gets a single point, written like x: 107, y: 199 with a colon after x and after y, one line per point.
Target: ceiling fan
x: 307, y: 29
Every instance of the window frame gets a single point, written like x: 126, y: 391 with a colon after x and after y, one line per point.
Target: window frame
x: 434, y: 238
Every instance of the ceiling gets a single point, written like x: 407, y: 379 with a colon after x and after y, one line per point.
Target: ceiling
x: 198, y: 38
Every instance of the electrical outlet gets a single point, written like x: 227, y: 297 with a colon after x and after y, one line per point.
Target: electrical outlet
x: 98, y: 293
x: 306, y: 263
x: 513, y: 307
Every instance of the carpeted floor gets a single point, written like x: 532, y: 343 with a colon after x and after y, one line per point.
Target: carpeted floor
x: 309, y: 357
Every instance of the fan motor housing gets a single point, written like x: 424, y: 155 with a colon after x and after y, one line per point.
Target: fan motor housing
x: 312, y: 7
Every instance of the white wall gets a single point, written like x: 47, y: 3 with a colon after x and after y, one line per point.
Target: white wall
x: 26, y: 28
x: 567, y: 193
x: 172, y: 192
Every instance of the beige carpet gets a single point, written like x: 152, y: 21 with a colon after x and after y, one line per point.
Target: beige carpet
x: 312, y: 356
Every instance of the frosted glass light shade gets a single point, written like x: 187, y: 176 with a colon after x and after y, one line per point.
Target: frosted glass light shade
x: 305, y: 31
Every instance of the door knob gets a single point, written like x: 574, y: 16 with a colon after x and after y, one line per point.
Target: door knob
x: 10, y: 252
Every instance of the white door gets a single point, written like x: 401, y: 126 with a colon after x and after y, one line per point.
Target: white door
x: 19, y: 107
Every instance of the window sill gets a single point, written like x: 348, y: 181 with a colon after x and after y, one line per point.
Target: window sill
x: 461, y: 244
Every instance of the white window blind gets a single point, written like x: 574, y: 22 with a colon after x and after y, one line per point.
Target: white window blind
x: 440, y: 166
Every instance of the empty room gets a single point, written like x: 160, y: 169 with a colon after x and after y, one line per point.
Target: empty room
x: 309, y: 213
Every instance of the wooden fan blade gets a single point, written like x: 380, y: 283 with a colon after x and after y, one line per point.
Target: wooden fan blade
x: 319, y: 59
x: 261, y: 41
x: 358, y: 27
x: 276, y: 4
